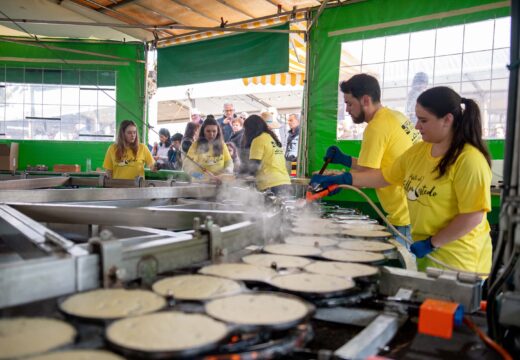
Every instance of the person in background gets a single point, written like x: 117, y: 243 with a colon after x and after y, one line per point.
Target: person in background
x: 225, y: 120
x: 160, y: 150
x: 419, y: 84
x: 387, y: 136
x: 174, y: 155
x: 190, y: 136
x: 127, y: 157
x: 209, y: 152
x: 233, y: 151
x: 267, y: 162
x: 238, y: 131
x: 272, y: 123
x: 291, y: 151
x: 243, y: 115
x: 195, y: 116
x: 447, y: 180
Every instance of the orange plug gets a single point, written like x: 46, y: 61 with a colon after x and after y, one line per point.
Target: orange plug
x: 437, y: 318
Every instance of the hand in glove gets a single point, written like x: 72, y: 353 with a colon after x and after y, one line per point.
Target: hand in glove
x: 422, y: 248
x: 334, y: 153
x: 326, y: 180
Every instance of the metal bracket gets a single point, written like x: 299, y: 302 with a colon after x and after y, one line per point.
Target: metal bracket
x: 369, y: 341
x: 215, y: 239
x: 111, y: 253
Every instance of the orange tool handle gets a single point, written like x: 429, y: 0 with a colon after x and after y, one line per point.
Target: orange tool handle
x: 310, y: 197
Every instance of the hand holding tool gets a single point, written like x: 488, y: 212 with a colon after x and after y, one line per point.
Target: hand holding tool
x: 337, y: 157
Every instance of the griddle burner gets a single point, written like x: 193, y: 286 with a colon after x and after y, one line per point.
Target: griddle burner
x: 270, y: 345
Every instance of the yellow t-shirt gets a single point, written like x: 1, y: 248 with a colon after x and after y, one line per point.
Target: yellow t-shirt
x: 131, y: 165
x: 388, y: 135
x: 272, y: 171
x: 433, y: 203
x: 216, y: 164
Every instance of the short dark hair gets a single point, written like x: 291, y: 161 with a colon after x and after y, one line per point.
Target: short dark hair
x: 177, y: 137
x: 360, y: 85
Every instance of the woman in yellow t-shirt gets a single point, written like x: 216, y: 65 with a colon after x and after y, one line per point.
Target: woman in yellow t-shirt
x: 266, y: 157
x: 209, y: 153
x: 126, y: 158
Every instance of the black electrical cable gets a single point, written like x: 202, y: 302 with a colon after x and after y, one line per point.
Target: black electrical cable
x: 493, y: 291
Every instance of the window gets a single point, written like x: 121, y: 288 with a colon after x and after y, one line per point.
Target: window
x: 469, y: 58
x: 57, y: 104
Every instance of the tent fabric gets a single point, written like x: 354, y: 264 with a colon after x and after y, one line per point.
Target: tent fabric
x: 325, y: 52
x: 235, y: 56
x: 289, y: 78
x: 182, y: 39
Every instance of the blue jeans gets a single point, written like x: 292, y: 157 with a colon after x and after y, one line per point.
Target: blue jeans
x: 405, y: 230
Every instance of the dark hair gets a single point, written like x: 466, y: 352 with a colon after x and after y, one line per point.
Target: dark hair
x: 165, y: 132
x: 254, y: 126
x: 176, y: 137
x: 191, y: 130
x: 202, y: 142
x: 467, y: 123
x: 121, y: 142
x: 235, y: 150
x: 360, y: 85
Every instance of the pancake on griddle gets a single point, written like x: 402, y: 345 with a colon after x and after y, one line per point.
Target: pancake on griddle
x: 24, y: 336
x: 353, y: 256
x: 166, y: 332
x: 196, y: 287
x: 281, y: 261
x: 239, y: 271
x: 108, y: 304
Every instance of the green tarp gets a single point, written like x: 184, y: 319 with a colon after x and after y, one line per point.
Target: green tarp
x: 230, y: 57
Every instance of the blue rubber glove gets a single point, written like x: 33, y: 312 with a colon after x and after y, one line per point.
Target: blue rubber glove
x: 334, y: 153
x: 422, y: 248
x: 197, y: 175
x: 327, y: 180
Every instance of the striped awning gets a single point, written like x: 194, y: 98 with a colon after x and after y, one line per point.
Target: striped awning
x: 288, y: 78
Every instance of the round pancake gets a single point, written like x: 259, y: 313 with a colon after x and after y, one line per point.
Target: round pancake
x: 350, y: 270
x: 166, y: 332
x: 366, y: 233
x: 312, y: 283
x: 316, y: 241
x: 246, y: 272
x: 353, y: 256
x: 196, y: 287
x: 112, y: 303
x: 366, y: 245
x: 314, y: 223
x: 290, y: 249
x: 257, y: 309
x: 24, y: 336
x: 363, y: 226
x: 79, y: 355
x: 315, y: 230
x: 282, y: 261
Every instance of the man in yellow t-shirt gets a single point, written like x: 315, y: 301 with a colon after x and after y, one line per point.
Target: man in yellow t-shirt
x: 131, y: 165
x: 388, y: 135
x: 272, y: 171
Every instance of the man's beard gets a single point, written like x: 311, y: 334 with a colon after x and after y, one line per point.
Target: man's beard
x: 360, y: 119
